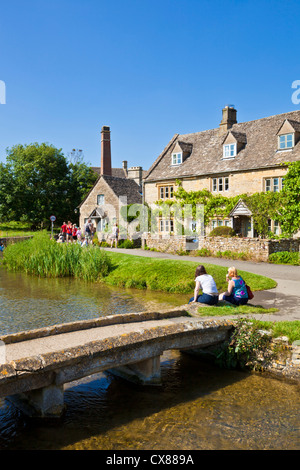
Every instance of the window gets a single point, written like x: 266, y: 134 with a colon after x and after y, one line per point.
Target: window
x: 220, y: 223
x: 100, y: 199
x: 176, y: 158
x: 276, y: 185
x: 229, y: 150
x: 220, y: 184
x: 166, y: 225
x: 273, y: 184
x: 102, y: 225
x: 286, y: 141
x: 274, y: 226
x: 166, y: 192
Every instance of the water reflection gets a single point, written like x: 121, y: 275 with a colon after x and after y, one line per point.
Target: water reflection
x: 28, y: 302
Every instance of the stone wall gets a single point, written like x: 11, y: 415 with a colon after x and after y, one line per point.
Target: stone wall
x: 257, y: 249
x: 285, y: 244
x: 167, y: 244
x: 253, y: 180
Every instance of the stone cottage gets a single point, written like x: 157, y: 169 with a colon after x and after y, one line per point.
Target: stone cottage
x: 113, y: 188
x: 232, y: 159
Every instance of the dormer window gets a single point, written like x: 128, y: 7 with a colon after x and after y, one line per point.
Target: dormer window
x: 233, y: 143
x: 229, y: 150
x: 288, y: 135
x: 286, y: 141
x: 176, y: 158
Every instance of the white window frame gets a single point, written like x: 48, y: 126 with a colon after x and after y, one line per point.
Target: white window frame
x: 220, y: 184
x: 229, y: 150
x: 166, y: 225
x: 284, y: 143
x: 176, y: 158
x: 273, y: 184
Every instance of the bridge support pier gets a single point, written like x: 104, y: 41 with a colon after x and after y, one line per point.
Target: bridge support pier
x: 146, y: 372
x: 46, y: 402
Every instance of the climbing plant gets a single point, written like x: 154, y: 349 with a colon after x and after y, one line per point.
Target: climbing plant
x: 264, y: 205
x: 290, y: 211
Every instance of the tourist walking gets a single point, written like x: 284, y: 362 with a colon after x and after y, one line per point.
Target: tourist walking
x: 89, y: 231
x: 207, y: 284
x: 69, y: 232
x: 236, y: 292
x: 64, y: 231
x: 114, y: 236
x: 79, y: 235
x: 74, y: 233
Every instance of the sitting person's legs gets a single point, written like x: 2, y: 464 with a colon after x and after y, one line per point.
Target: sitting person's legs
x: 206, y: 299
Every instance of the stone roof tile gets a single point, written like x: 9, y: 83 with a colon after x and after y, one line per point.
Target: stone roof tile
x: 206, y: 158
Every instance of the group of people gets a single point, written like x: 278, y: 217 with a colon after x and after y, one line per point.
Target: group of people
x: 70, y: 233
x: 236, y: 292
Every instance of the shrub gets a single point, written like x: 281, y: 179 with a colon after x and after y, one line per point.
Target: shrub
x: 245, y: 347
x: 203, y: 252
x: 126, y: 244
x: 222, y: 231
x: 285, y: 257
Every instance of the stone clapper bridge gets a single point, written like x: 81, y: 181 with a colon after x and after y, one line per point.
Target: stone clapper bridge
x: 39, y: 362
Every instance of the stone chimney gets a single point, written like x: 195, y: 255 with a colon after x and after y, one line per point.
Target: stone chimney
x: 124, y: 166
x: 228, y: 118
x: 136, y: 173
x: 105, y: 151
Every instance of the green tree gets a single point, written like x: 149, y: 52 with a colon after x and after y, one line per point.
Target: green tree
x: 81, y: 179
x: 37, y: 181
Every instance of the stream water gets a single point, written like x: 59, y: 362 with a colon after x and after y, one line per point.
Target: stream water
x: 198, y: 406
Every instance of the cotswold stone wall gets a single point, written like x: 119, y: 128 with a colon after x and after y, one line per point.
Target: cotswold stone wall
x: 167, y: 244
x: 286, y: 244
x: 257, y: 249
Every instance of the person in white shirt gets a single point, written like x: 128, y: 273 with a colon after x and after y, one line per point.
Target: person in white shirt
x: 206, y: 283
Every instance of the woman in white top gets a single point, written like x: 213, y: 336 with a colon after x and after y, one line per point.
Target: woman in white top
x: 206, y: 283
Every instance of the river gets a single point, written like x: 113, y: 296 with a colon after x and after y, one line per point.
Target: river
x: 197, y: 407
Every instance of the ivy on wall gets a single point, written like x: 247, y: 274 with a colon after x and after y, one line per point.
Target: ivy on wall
x: 282, y: 207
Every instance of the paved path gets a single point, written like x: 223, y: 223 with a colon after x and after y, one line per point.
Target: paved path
x: 285, y: 297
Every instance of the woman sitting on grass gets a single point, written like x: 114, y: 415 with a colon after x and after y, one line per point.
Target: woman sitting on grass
x: 206, y: 283
x: 236, y: 292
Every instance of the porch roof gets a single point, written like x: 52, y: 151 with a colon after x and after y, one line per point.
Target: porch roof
x: 240, y: 208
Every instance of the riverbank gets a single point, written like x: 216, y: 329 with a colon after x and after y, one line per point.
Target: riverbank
x: 284, y: 296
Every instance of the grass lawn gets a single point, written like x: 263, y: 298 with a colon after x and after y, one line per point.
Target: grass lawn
x: 291, y: 329
x: 222, y: 310
x: 174, y: 276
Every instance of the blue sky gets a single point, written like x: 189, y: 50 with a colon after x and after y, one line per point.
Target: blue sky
x: 147, y: 68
